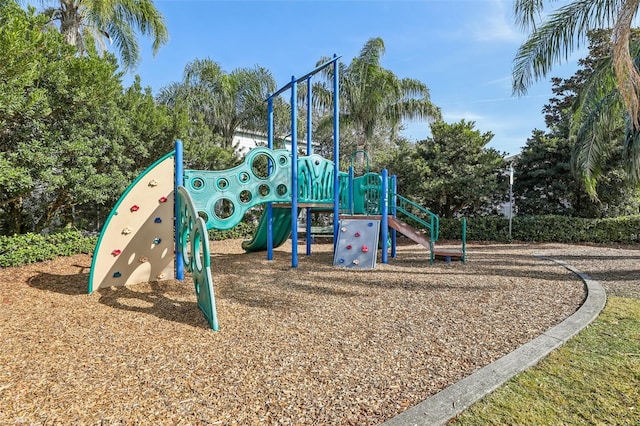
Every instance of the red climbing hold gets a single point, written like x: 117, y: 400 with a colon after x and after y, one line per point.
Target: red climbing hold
x: 116, y: 252
x: 163, y: 199
x: 365, y: 249
x: 348, y: 247
x: 357, y: 234
x: 134, y: 208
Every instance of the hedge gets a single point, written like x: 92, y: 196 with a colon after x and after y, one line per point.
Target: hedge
x: 21, y: 249
x: 560, y: 229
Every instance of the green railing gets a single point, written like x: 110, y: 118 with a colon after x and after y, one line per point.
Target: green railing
x: 418, y: 214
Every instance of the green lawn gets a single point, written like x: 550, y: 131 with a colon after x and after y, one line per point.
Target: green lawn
x: 593, y: 380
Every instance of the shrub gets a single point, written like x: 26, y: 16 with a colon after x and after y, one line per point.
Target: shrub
x: 22, y: 249
x: 549, y: 228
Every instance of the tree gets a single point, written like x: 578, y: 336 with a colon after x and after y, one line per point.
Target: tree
x: 614, y: 87
x: 71, y: 140
x: 222, y: 102
x: 452, y: 172
x: 85, y: 23
x: 373, y: 98
x: 548, y: 180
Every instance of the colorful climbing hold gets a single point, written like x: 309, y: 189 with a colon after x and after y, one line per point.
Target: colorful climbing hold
x: 349, y: 247
x: 116, y: 252
x: 117, y: 275
x: 153, y: 183
x: 365, y: 249
x: 370, y: 224
x: 126, y: 231
x: 143, y: 259
x: 343, y: 229
x: 356, y: 261
x: 357, y: 234
x: 158, y: 220
x: 160, y: 275
x: 163, y: 199
x: 157, y: 240
x: 134, y: 208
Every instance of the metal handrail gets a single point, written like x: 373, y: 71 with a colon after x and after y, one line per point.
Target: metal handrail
x: 405, y: 205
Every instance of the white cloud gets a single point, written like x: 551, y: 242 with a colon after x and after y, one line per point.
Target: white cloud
x: 496, y: 24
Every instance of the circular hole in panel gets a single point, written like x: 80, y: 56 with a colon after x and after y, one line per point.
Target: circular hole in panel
x: 244, y: 177
x: 317, y: 162
x: 260, y: 165
x: 204, y: 216
x: 264, y: 190
x: 197, y: 184
x: 222, y: 184
x: 197, y: 287
x: 223, y: 208
x: 281, y: 190
x: 283, y: 160
x: 245, y: 196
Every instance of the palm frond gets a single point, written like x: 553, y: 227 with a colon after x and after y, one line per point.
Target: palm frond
x: 554, y: 41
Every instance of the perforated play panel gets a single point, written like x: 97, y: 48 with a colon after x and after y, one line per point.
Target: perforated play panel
x: 357, y: 244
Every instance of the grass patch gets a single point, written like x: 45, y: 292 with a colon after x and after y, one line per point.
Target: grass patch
x: 593, y: 379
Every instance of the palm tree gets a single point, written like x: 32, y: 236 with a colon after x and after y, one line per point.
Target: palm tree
x: 88, y: 23
x: 226, y: 102
x: 374, y: 98
x: 611, y: 93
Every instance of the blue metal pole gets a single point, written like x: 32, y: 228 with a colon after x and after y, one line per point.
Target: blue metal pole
x: 309, y: 116
x: 269, y: 211
x: 336, y: 153
x: 384, y: 225
x: 294, y: 173
x: 309, y: 152
x: 179, y: 181
x: 394, y: 212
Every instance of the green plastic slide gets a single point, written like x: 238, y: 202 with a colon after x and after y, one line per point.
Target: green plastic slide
x: 281, y: 230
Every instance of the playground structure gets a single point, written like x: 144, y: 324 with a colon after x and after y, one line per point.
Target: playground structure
x: 159, y: 227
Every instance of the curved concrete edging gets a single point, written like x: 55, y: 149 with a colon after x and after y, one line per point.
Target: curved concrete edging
x: 453, y: 400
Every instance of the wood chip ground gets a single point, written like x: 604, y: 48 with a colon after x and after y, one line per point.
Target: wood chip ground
x: 316, y: 345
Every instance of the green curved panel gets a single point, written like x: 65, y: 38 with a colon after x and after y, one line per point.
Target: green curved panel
x: 193, y: 243
x: 281, y: 230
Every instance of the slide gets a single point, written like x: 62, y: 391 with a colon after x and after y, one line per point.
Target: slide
x: 281, y: 230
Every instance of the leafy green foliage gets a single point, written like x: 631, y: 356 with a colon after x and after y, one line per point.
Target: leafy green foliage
x: 244, y: 230
x: 548, y: 228
x: 452, y: 173
x: 71, y: 138
x: 27, y: 248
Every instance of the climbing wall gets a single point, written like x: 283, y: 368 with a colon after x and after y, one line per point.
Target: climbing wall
x: 357, y: 245
x: 136, y: 243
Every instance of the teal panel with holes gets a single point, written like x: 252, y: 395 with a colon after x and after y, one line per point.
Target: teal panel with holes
x: 222, y: 197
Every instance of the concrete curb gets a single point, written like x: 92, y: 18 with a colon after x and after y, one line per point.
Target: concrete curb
x: 451, y: 401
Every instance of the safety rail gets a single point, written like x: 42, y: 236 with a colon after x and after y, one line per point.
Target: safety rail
x: 415, y: 211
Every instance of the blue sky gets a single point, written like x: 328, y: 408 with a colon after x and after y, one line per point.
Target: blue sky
x: 462, y: 50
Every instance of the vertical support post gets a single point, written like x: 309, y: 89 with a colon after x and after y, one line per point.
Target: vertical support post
x: 350, y: 188
x: 178, y: 181
x: 309, y: 152
x: 384, y: 224
x: 510, y: 198
x: 336, y: 152
x: 309, y: 116
x: 394, y: 212
x: 269, y: 211
x: 294, y: 173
